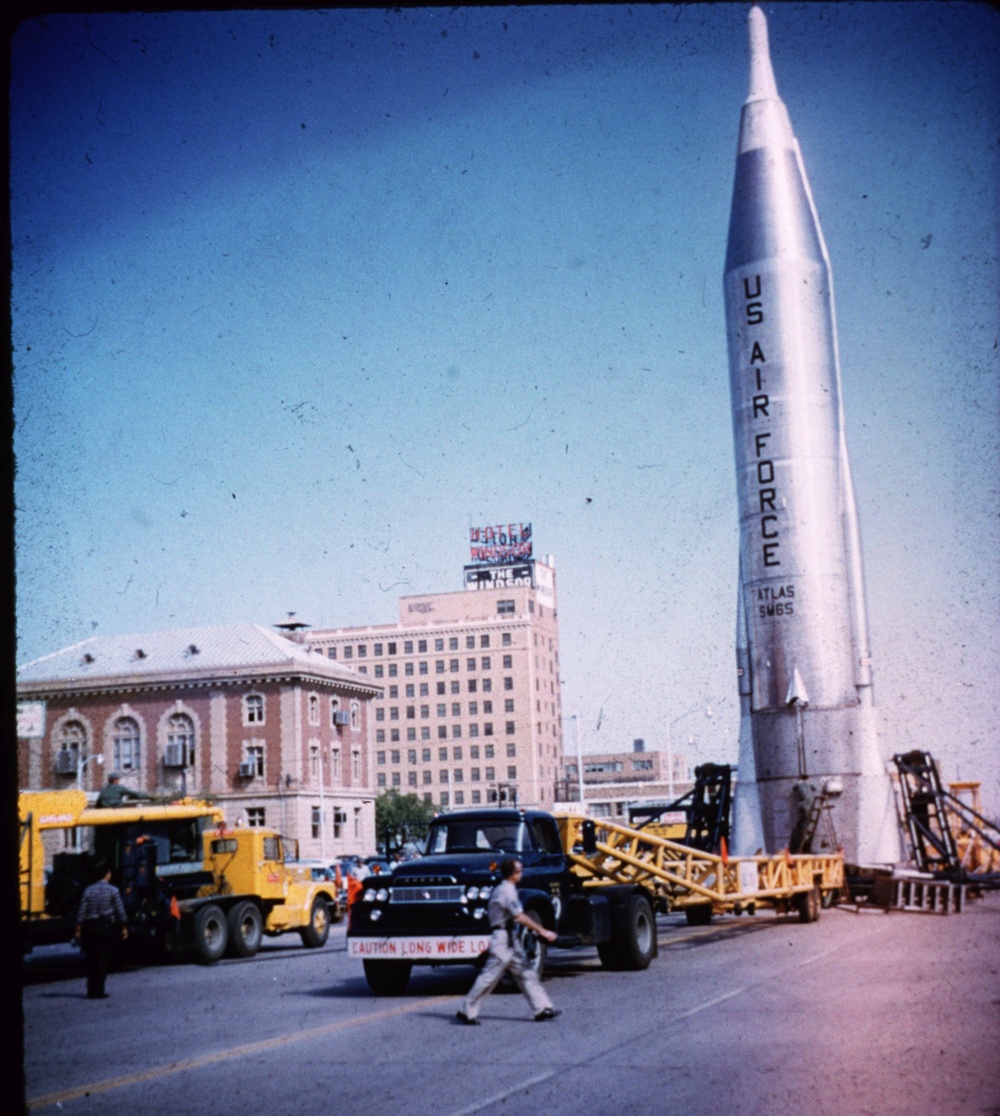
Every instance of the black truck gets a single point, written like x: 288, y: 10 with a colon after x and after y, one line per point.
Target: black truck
x: 432, y: 911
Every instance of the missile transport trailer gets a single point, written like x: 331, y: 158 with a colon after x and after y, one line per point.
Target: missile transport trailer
x: 188, y: 884
x: 593, y: 883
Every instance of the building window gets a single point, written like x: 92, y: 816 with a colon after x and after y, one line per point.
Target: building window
x: 508, y: 662
x: 459, y: 798
x: 380, y: 713
x: 510, y: 728
x: 72, y: 748
x: 180, y: 740
x: 511, y: 772
x: 505, y: 608
x: 335, y: 763
x: 488, y: 728
x: 331, y: 652
x: 379, y: 670
x: 391, y: 649
x: 381, y: 779
x: 424, y: 690
x: 458, y: 775
x: 474, y: 775
x: 421, y: 646
x: 508, y: 683
x: 511, y: 751
x: 442, y: 709
x: 484, y: 641
x: 456, y: 731
x: 505, y: 639
x: 456, y: 752
x: 314, y: 759
x: 408, y: 669
x: 380, y: 736
x: 443, y: 755
x: 339, y: 821
x: 453, y: 643
x: 439, y: 666
x: 355, y: 715
x: 425, y: 711
x: 316, y: 821
x: 253, y: 757
x: 356, y: 765
x: 486, y: 662
x: 393, y: 670
x: 253, y: 709
x: 443, y: 776
x: 476, y: 798
x: 393, y: 692
x: 440, y: 689
x: 314, y: 709
x: 453, y: 666
x: 378, y: 650
x: 491, y: 774
x: 395, y: 779
x: 126, y: 744
x: 488, y: 753
x: 408, y: 647
x: 470, y: 664
x: 425, y: 755
x: 474, y: 752
x: 456, y: 687
x: 472, y: 685
x: 487, y: 706
x: 348, y: 652
x: 423, y: 667
x: 444, y: 799
x: 394, y: 735
x: 380, y: 758
x: 428, y: 778
x: 411, y: 734
x: 395, y: 755
x: 411, y: 712
x: 487, y: 685
x: 411, y: 778
x: 473, y: 730
x: 439, y: 645
x: 255, y: 817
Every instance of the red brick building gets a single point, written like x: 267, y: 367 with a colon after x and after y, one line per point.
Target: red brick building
x: 275, y: 733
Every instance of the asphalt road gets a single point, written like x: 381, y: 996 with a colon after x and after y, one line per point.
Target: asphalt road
x: 858, y: 1013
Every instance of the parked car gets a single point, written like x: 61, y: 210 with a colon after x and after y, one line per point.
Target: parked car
x: 379, y: 865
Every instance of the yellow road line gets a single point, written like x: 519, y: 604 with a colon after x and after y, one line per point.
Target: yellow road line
x: 241, y: 1051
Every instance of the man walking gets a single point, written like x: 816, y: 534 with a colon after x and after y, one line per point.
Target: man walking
x: 506, y: 952
x: 100, y: 921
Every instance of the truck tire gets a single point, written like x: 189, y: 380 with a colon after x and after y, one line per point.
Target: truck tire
x: 700, y: 915
x: 633, y: 936
x: 210, y: 933
x: 808, y: 904
x: 246, y: 929
x: 317, y: 930
x: 387, y: 978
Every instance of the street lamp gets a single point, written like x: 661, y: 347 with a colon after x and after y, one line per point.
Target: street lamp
x: 81, y: 765
x: 707, y: 709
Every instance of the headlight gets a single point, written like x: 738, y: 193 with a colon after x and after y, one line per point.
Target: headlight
x: 382, y: 894
x: 369, y: 895
x: 376, y: 915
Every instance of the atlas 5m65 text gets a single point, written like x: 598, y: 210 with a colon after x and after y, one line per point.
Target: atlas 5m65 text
x: 803, y: 653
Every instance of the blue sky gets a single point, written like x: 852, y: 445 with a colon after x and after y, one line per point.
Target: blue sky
x: 299, y: 297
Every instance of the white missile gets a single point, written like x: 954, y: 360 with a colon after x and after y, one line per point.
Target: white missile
x: 806, y: 683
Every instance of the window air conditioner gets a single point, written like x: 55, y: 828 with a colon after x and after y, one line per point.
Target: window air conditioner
x: 341, y: 717
x: 248, y: 769
x: 66, y: 762
x: 175, y: 755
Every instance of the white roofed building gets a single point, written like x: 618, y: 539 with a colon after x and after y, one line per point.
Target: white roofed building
x: 275, y: 733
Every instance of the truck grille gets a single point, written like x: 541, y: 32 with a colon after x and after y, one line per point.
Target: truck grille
x: 427, y: 893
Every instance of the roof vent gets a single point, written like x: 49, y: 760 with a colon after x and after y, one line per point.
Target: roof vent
x: 139, y: 653
x: 87, y: 657
x: 191, y: 649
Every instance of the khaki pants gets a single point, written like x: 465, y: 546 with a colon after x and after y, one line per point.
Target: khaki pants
x: 503, y: 958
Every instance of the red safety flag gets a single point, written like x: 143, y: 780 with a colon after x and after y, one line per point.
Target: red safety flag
x: 723, y: 850
x: 175, y: 911
x: 338, y: 878
x: 354, y: 889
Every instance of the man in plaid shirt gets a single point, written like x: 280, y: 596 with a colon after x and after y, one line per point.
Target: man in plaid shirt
x: 101, y: 915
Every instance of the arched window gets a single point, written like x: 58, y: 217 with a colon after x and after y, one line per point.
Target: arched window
x: 180, y: 741
x: 314, y: 709
x: 355, y: 715
x: 125, y: 741
x: 72, y: 748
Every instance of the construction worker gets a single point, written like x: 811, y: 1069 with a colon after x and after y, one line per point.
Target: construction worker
x: 114, y: 794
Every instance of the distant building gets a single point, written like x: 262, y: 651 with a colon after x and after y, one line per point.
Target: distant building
x: 275, y: 733
x: 470, y: 710
x: 613, y: 781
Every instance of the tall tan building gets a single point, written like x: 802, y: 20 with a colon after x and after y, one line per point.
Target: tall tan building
x: 470, y: 710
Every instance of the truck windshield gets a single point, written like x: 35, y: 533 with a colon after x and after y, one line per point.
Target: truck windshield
x: 479, y: 836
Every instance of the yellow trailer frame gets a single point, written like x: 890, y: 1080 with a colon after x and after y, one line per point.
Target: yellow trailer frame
x: 682, y: 877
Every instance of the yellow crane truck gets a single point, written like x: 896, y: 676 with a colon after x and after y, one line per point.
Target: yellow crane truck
x: 189, y: 884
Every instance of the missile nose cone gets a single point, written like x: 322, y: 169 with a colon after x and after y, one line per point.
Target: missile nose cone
x: 762, y: 84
